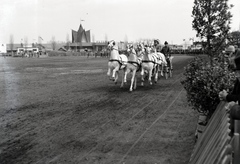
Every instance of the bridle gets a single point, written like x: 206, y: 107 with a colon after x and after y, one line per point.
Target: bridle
x: 111, y: 45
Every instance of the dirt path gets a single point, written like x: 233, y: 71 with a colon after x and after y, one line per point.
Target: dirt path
x: 65, y: 110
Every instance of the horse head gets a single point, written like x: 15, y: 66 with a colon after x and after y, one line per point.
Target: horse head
x: 130, y: 49
x: 140, y: 49
x: 148, y: 49
x: 111, y: 44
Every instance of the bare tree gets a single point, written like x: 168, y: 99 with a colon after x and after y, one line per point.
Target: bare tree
x: 93, y: 38
x: 125, y: 41
x: 67, y: 41
x: 106, y: 38
x: 11, y: 43
x: 53, y: 43
x: 25, y: 42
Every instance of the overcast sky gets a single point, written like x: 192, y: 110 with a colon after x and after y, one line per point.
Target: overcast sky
x: 168, y: 20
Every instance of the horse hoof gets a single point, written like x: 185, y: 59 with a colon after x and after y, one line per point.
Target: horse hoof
x: 115, y: 83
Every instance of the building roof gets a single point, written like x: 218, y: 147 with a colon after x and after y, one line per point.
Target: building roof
x: 14, y: 46
x: 74, y: 36
x: 81, y: 35
x: 88, y: 36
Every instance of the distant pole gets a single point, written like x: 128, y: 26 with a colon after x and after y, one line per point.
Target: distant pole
x: 21, y: 42
x: 80, y: 46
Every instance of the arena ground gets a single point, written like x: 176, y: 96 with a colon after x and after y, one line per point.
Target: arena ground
x: 65, y: 110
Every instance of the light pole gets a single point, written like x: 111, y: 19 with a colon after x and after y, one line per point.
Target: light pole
x: 185, y: 45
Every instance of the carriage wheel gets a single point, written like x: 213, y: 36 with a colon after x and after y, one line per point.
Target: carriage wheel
x: 166, y: 74
x: 170, y: 73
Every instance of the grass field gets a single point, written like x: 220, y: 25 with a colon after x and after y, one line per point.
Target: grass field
x: 66, y: 110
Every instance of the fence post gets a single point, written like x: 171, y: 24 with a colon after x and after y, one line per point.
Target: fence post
x: 202, y: 122
x: 236, y: 143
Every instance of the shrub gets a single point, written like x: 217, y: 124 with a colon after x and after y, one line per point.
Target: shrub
x: 203, y: 82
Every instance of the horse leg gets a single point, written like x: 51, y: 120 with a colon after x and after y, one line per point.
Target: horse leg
x: 166, y: 72
x: 114, y: 72
x: 142, y: 77
x: 156, y: 74
x: 132, y: 80
x: 135, y: 82
x: 162, y: 67
x: 171, y: 69
x: 116, y: 77
x: 124, y: 77
x: 150, y: 76
x: 109, y: 72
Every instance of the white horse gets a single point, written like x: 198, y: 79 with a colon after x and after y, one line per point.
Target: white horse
x: 162, y: 58
x: 133, y: 65
x: 150, y: 64
x: 116, y: 61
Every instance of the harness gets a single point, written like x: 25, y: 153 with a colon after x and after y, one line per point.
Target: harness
x: 149, y: 61
x: 135, y: 62
x: 152, y: 61
x: 112, y: 60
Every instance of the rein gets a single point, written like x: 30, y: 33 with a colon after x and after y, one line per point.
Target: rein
x: 114, y: 48
x: 149, y: 61
x: 134, y: 62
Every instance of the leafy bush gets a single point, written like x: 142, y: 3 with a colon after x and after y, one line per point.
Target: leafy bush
x: 203, y: 82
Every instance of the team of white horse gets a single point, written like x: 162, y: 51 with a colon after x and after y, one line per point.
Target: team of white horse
x: 144, y: 60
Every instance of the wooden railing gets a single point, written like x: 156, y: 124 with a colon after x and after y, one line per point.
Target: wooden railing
x: 215, y: 146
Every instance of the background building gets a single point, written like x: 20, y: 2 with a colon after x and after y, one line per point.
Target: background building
x: 81, y: 36
x: 81, y: 41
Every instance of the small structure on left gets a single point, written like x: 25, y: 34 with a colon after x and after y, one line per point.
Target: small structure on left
x: 3, y: 49
x: 18, y: 50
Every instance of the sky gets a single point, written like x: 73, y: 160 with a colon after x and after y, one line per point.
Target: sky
x: 120, y: 20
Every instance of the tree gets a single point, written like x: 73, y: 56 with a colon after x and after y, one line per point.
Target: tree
x: 53, y: 43
x: 11, y: 42
x: 211, y: 20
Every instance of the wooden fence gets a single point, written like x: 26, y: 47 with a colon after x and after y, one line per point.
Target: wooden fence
x: 215, y: 146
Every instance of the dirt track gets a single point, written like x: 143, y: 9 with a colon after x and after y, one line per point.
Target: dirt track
x: 65, y: 110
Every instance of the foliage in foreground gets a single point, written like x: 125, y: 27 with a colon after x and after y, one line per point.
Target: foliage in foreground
x: 203, y: 82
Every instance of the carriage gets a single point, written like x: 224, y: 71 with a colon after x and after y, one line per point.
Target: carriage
x: 144, y: 59
x: 168, y: 68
